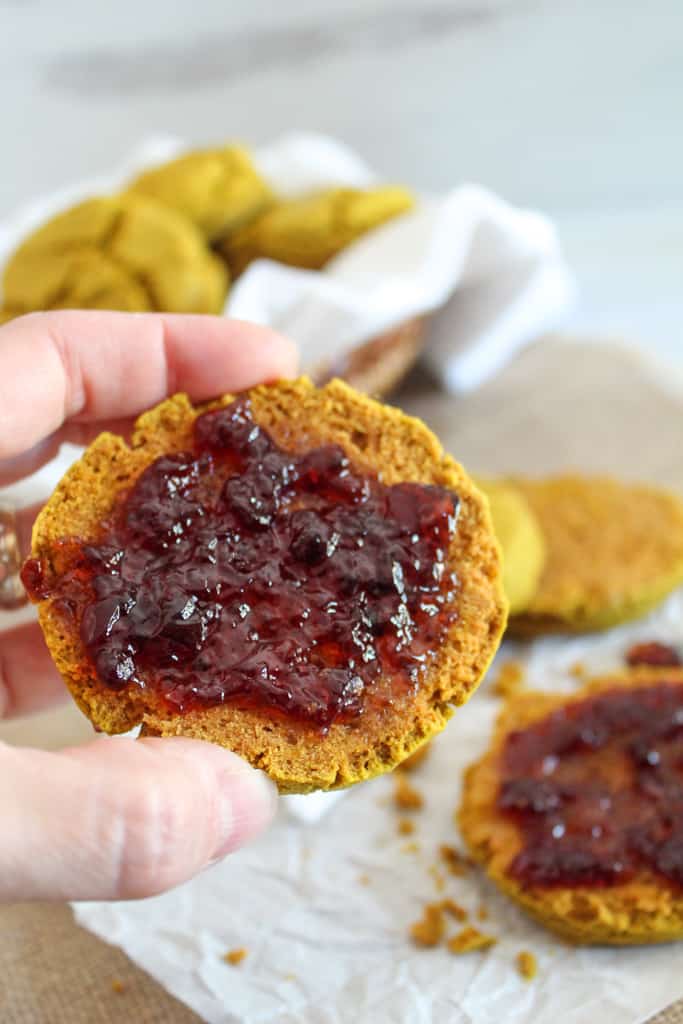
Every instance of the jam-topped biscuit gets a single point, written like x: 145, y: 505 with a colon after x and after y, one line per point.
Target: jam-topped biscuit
x: 576, y: 811
x: 121, y: 252
x: 309, y: 230
x: 299, y: 574
x: 219, y: 190
x: 613, y: 551
x: 521, y: 541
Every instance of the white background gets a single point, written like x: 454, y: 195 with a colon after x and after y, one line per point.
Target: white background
x: 573, y: 106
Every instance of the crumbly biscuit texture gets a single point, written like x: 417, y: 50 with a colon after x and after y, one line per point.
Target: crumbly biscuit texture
x: 521, y: 541
x: 613, y: 551
x: 643, y: 910
x: 120, y: 252
x: 308, y: 231
x: 299, y: 417
x: 219, y: 190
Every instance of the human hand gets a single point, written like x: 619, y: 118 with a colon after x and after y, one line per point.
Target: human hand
x: 115, y: 819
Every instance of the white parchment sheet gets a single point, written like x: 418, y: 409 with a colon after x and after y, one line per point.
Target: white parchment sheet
x: 324, y: 908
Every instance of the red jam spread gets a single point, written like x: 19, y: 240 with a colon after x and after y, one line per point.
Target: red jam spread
x: 654, y: 654
x: 597, y: 790
x: 242, y: 573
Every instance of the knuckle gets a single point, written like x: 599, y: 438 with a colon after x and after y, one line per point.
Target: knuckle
x: 157, y: 844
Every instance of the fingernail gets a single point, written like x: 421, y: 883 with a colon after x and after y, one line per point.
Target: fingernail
x: 248, y: 802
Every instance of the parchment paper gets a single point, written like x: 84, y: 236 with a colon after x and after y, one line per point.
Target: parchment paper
x: 325, y: 948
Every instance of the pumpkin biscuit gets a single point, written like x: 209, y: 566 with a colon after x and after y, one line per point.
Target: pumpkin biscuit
x: 115, y: 252
x: 219, y: 190
x: 299, y: 418
x: 308, y: 231
x: 596, y: 908
x: 613, y: 552
x: 521, y: 542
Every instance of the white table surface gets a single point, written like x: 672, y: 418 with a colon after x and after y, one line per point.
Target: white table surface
x: 572, y: 107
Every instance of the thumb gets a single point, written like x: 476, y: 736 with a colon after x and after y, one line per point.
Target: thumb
x: 122, y: 818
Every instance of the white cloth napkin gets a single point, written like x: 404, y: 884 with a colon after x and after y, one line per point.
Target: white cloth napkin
x: 494, y: 274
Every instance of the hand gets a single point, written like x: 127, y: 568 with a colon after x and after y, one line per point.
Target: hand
x: 116, y: 819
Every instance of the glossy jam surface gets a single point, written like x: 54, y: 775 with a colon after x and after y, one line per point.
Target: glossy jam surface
x: 238, y: 572
x: 597, y: 790
x: 654, y: 654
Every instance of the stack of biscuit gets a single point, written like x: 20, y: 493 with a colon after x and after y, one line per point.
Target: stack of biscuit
x: 176, y: 236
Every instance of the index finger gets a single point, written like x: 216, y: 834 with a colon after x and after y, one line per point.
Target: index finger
x: 90, y: 365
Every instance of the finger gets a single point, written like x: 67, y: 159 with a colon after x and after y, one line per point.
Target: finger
x: 29, y: 680
x: 91, y: 365
x: 121, y: 818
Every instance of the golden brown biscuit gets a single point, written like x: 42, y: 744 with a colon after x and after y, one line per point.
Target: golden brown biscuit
x: 219, y: 190
x: 596, y: 906
x: 308, y: 231
x: 613, y: 551
x: 115, y: 252
x: 298, y: 756
x: 521, y: 541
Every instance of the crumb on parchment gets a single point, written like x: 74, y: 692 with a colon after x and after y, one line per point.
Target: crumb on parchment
x: 509, y: 680
x: 411, y: 847
x: 454, y: 909
x: 405, y: 827
x: 431, y: 928
x: 439, y: 880
x: 527, y: 965
x: 406, y: 797
x: 364, y: 879
x: 235, y: 956
x: 456, y: 862
x: 470, y: 940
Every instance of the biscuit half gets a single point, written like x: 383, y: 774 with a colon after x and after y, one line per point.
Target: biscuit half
x: 646, y: 909
x: 376, y: 439
x: 613, y: 552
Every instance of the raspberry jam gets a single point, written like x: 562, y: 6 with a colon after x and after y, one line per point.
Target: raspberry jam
x: 597, y: 790
x: 654, y: 654
x: 241, y: 573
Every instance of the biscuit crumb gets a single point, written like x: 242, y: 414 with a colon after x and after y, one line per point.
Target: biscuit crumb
x: 289, y: 977
x: 430, y: 929
x: 456, y: 862
x: 469, y: 940
x: 117, y: 985
x: 509, y: 680
x: 527, y: 965
x: 410, y: 848
x: 578, y: 670
x: 364, y: 879
x: 235, y: 956
x: 439, y: 880
x: 454, y: 909
x: 482, y: 913
x: 406, y: 797
x: 405, y: 827
x: 416, y: 758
